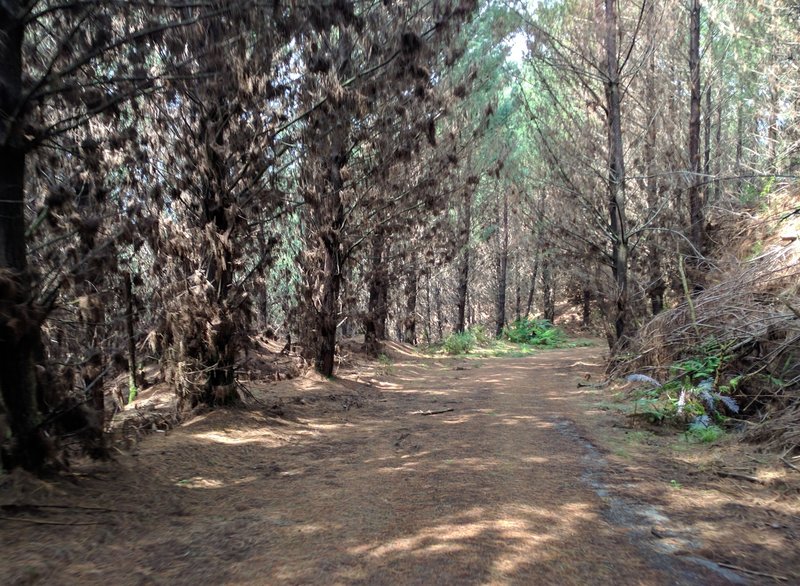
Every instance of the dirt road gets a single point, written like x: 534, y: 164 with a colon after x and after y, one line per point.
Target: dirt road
x: 356, y: 484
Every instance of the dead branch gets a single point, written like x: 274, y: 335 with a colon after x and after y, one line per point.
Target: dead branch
x: 437, y: 412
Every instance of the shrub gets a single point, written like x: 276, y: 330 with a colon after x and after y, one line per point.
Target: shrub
x: 482, y: 336
x: 459, y: 342
x: 704, y: 431
x: 538, y: 332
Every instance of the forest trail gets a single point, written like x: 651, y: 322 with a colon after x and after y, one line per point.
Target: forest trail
x: 361, y: 488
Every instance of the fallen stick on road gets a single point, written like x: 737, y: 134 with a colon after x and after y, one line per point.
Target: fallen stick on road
x: 753, y: 572
x: 431, y: 412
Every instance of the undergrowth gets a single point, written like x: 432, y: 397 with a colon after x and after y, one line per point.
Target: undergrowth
x: 697, y: 397
x: 521, y: 338
x: 536, y: 332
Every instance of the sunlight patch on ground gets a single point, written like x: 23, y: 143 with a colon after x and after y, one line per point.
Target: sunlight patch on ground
x: 526, y: 533
x: 240, y: 437
x: 536, y: 460
x: 201, y: 482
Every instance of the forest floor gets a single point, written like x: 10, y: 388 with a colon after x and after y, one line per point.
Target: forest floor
x: 411, y: 471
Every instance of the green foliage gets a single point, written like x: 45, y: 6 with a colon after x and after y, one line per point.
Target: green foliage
x: 481, y: 334
x: 459, y: 342
x: 705, y: 433
x: 132, y: 390
x: 536, y: 332
x: 710, y: 359
x: 695, y: 394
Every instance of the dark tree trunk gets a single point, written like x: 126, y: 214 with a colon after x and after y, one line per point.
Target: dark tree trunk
x: 130, y: 318
x: 330, y: 293
x: 656, y: 285
x: 517, y: 291
x: 707, y: 145
x: 219, y: 352
x: 333, y: 214
x: 437, y: 295
x: 548, y: 292
x: 410, y: 321
x: 463, y: 271
x: 616, y: 174
x: 586, y: 319
x: 20, y: 336
x: 532, y: 290
x: 718, y: 157
x: 428, y: 320
x: 383, y: 311
x: 375, y: 320
x: 92, y: 316
x: 739, y: 144
x: 696, y: 212
x: 502, y: 271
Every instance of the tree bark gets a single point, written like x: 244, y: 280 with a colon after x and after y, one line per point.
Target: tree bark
x: 707, y: 145
x: 375, y: 320
x: 437, y: 296
x: 696, y: 211
x: 428, y: 319
x: 219, y: 352
x: 410, y: 321
x: 463, y: 271
x: 20, y: 335
x: 586, y: 319
x: 133, y: 373
x: 656, y: 286
x: 532, y: 290
x: 548, y: 292
x: 616, y: 175
x: 718, y: 158
x: 502, y: 271
x: 332, y: 276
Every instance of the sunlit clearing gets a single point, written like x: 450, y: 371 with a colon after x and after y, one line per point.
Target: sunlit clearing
x: 239, y: 437
x: 200, y: 482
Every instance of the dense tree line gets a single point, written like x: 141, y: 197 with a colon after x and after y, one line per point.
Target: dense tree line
x: 179, y: 176
x: 151, y: 154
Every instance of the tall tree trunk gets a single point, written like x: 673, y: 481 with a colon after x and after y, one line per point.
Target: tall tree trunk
x: 616, y: 174
x: 463, y: 271
x: 517, y: 291
x: 739, y: 145
x: 548, y: 292
x: 375, y: 320
x: 656, y: 286
x: 696, y: 211
x: 133, y: 374
x: 410, y: 321
x: 92, y: 315
x: 20, y: 336
x: 718, y: 157
x: 532, y: 290
x: 437, y: 296
x: 333, y: 214
x: 586, y: 319
x: 428, y: 320
x: 707, y: 144
x: 502, y: 271
x: 219, y: 351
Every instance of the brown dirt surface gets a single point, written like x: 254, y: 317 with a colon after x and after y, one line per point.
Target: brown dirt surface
x: 418, y: 471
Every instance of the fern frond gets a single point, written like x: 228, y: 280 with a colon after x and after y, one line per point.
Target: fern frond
x: 642, y: 378
x: 729, y: 402
x: 709, y: 400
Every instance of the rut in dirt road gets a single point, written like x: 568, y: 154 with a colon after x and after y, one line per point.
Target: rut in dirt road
x: 496, y: 488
